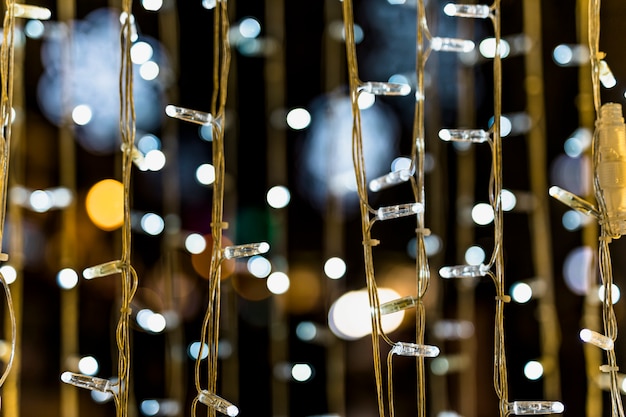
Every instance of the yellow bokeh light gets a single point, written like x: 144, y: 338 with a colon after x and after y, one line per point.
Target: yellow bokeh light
x: 105, y: 204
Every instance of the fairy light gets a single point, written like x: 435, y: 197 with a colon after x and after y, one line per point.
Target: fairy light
x: 484, y: 214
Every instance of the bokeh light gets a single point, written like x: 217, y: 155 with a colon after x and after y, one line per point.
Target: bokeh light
x: 577, y: 266
x: 88, y: 365
x: 335, y: 267
x: 205, y: 174
x: 278, y: 196
x: 105, y: 204
x: 615, y: 293
x: 482, y: 214
x: 67, y: 278
x: 9, y: 273
x: 533, y: 370
x: 301, y: 372
x: 298, y: 118
x: 521, y: 292
x: 278, y: 282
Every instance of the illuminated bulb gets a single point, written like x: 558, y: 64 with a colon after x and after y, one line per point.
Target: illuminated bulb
x: 596, y: 339
x: 162, y: 407
x: 205, y: 174
x: 26, y: 11
x: 195, y: 243
x: 533, y: 370
x: 573, y: 201
x: 278, y: 196
x: 149, y: 70
x: 67, y: 278
x: 82, y: 114
x: 464, y: 135
x: 606, y: 75
x: 103, y: 270
x: 218, y: 403
x: 248, y: 249
x: 141, y: 52
x: 101, y: 397
x: 249, y: 28
x: 194, y: 350
x: 298, y: 118
x: 9, y: 273
x: 463, y: 271
x: 349, y: 316
x: 385, y: 89
x: 389, y: 180
x: 400, y: 210
x: 474, y: 255
x: 451, y: 44
x: 487, y: 48
x: 482, y: 214
x: 521, y: 292
x: 615, y: 293
x: 278, y: 283
x: 259, y: 266
x: 105, y: 204
x: 535, y: 407
x: 301, y: 372
x: 89, y: 382
x: 478, y: 11
x: 366, y: 100
x: 154, y: 160
x: 189, y: 115
x: 152, y: 224
x: 34, y: 29
x: 508, y: 200
x: 88, y: 365
x: 152, y: 5
x: 335, y: 267
x: 413, y: 349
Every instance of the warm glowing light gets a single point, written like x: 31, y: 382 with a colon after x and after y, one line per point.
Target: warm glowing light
x: 152, y: 224
x: 335, y: 268
x: 533, y: 370
x: 259, y: 266
x: 88, y: 365
x: 350, y: 315
x: 82, y: 114
x: 301, y: 372
x: 249, y: 28
x: 278, y: 282
x: 615, y: 293
x: 152, y: 5
x: 205, y: 174
x: 482, y: 214
x: 67, y: 278
x: 195, y: 243
x: 149, y: 70
x: 298, y: 118
x: 521, y: 292
x: 278, y: 196
x: 105, y: 204
x: 474, y: 255
x: 141, y: 52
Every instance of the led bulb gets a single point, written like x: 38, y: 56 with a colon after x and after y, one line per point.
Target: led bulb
x: 606, y: 75
x: 596, y: 339
x: 464, y: 271
x: 401, y: 210
x: 218, y: 403
x: 451, y: 45
x: 89, y: 382
x: 574, y: 202
x: 478, y: 11
x: 464, y: 135
x: 26, y: 11
x: 189, y: 115
x: 102, y: 270
x: 389, y: 180
x: 400, y: 304
x: 413, y: 349
x: 521, y: 408
x: 248, y: 249
x: 385, y: 89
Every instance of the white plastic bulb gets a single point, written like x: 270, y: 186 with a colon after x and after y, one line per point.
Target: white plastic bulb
x: 478, y: 11
x: 401, y: 210
x: 463, y: 271
x: 451, y: 45
x: 400, y: 304
x: 189, y: 115
x: 102, y: 270
x: 379, y: 88
x: 522, y: 408
x: 596, y: 339
x: 218, y: 403
x: 389, y: 180
x: 248, y: 249
x: 464, y: 135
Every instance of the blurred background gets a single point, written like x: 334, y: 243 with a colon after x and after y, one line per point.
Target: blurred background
x: 287, y: 347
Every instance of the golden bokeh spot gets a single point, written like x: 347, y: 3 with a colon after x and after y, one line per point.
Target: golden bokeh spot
x: 304, y: 292
x: 105, y: 204
x: 250, y: 287
x: 201, y: 262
